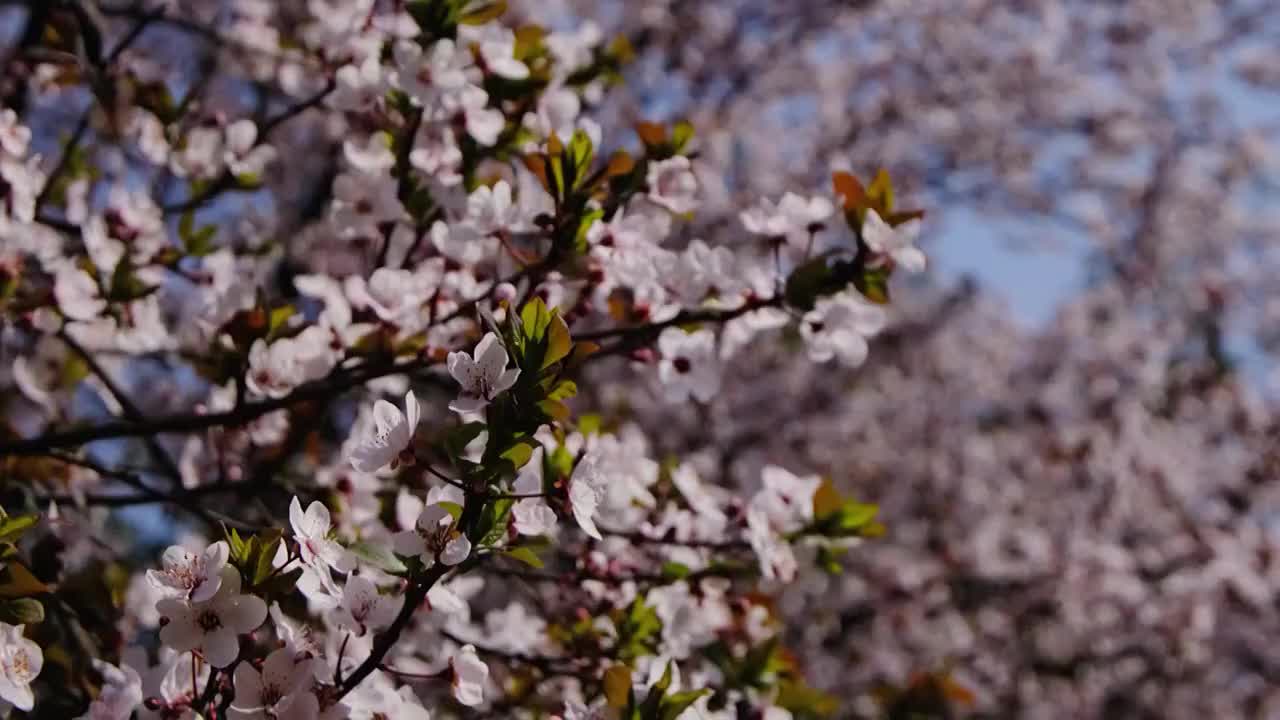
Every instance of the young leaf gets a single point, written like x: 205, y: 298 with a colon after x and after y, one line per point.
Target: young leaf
x: 826, y: 499
x: 17, y: 581
x: 518, y: 454
x: 493, y: 521
x: 377, y: 555
x: 677, y: 703
x: 525, y: 555
x: 559, y: 342
x: 651, y: 134
x: 850, y: 190
x: 880, y: 194
x: 617, y: 685
x: 681, y: 134
x: 22, y: 611
x: 12, y: 526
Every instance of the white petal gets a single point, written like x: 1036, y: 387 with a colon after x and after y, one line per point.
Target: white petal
x: 911, y: 259
x: 468, y: 404
x: 490, y: 356
x: 221, y: 647
x: 507, y: 379
x: 412, y: 411
x: 386, y: 416
x: 372, y: 458
x: 248, y: 684
x: 248, y: 612
x: 456, y: 550
x: 408, y: 543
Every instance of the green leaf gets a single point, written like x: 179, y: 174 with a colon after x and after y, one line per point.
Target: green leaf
x: 457, y: 439
x: 74, y: 369
x: 239, y: 548
x: 873, y: 283
x: 806, y: 283
x: 855, y: 515
x: 261, y: 559
x: 880, y: 193
x: 377, y: 555
x: 483, y: 13
x: 525, y: 555
x: 801, y: 699
x: 278, y: 321
x: 195, y: 242
x: 681, y: 134
x: 12, y: 526
x: 536, y: 318
x: 652, y: 706
x: 559, y: 342
x: 518, y: 454
x: 589, y: 424
x: 560, y: 462
x: 580, y: 154
x: 554, y: 409
x: 829, y: 561
x: 677, y: 703
x: 588, y: 219
x: 281, y: 584
x: 22, y: 611
x: 617, y: 685
x: 125, y: 283
x: 563, y: 390
x: 493, y: 521
x: 452, y: 508
x: 674, y: 571
x: 665, y: 681
x: 638, y: 630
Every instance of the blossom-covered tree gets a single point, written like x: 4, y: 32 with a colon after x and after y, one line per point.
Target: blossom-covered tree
x: 394, y: 358
x: 220, y: 284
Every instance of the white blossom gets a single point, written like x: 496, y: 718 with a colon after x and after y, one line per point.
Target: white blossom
x: 470, y: 674
x: 792, y: 218
x: 191, y: 576
x: 212, y: 627
x: 363, y: 608
x: 690, y: 366
x: 838, y: 327
x: 433, y: 536
x: 388, y: 444
x: 20, y: 662
x: 532, y: 515
x: 121, y: 693
x: 898, y: 243
x: 280, y: 691
x: 312, y: 531
x: 483, y: 374
x: 673, y: 185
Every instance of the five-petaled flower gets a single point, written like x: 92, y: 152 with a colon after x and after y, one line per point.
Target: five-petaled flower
x: 280, y: 691
x: 363, y: 608
x: 311, y: 530
x: 469, y: 676
x: 20, y: 663
x: 690, y: 366
x: 673, y: 185
x: 388, y: 445
x: 482, y: 375
x: 897, y: 243
x: 212, y: 627
x: 189, y: 576
x: 434, y: 535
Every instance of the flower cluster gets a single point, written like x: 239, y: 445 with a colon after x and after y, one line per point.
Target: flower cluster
x: 472, y: 242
